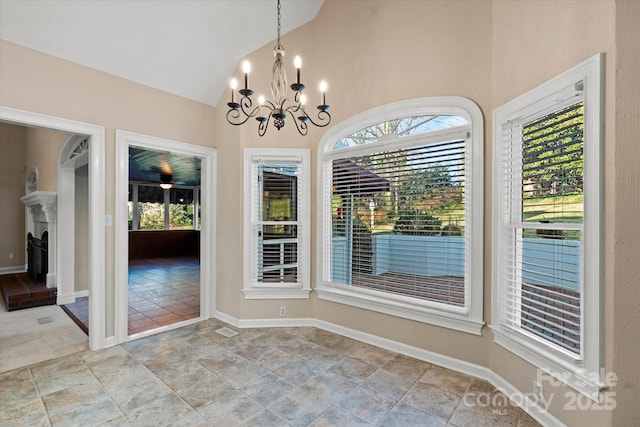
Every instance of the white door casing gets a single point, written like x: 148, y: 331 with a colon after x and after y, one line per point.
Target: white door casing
x: 96, y: 162
x: 208, y: 158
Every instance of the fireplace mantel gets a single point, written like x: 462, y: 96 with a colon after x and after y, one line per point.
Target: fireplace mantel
x: 42, y: 206
x: 46, y: 199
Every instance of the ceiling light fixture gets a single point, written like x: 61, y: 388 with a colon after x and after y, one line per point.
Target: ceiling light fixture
x: 239, y: 112
x: 166, y: 181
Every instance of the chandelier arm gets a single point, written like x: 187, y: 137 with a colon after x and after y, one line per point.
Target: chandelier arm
x: 323, y: 117
x: 269, y: 105
x: 234, y: 117
x: 295, y: 106
x: 263, y: 124
x: 243, y: 112
x: 246, y: 104
x: 301, y: 125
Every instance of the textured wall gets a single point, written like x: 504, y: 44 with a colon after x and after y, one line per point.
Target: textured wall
x: 625, y: 343
x: 12, y: 186
x: 43, y: 150
x: 81, y: 217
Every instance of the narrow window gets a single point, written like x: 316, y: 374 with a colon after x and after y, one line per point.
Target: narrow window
x: 547, y: 222
x: 276, y: 224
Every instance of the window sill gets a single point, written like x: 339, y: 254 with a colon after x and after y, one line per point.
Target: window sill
x: 450, y: 320
x: 276, y: 293
x: 560, y: 368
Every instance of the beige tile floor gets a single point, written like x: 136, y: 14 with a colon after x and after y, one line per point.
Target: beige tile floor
x: 193, y: 376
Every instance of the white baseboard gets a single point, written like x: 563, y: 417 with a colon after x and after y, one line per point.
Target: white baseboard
x: 109, y: 341
x: 71, y: 298
x: 226, y: 318
x: 65, y: 299
x: 82, y: 294
x: 164, y: 328
x: 458, y: 365
x: 264, y: 323
x: 12, y: 269
x: 471, y: 369
x: 527, y: 404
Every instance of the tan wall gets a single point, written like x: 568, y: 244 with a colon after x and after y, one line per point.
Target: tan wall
x: 12, y: 185
x: 81, y: 217
x: 43, y: 151
x: 40, y: 83
x: 624, y: 345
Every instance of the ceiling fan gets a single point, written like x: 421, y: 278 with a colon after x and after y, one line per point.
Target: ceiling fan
x: 166, y: 175
x: 166, y: 181
x: 162, y: 168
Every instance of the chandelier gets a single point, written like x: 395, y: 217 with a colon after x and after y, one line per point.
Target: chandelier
x: 242, y: 110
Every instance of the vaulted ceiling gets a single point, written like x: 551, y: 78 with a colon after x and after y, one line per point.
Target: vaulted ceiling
x: 189, y: 48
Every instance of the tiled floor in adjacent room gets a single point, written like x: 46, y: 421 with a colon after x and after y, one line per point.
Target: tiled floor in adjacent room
x: 163, y: 291
x: 194, y: 376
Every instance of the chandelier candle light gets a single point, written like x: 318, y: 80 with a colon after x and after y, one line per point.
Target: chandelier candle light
x: 239, y: 112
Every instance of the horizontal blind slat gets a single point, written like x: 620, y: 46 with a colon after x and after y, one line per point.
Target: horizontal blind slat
x: 425, y: 176
x: 542, y: 173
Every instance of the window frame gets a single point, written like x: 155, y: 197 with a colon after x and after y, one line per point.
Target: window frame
x: 135, y: 211
x: 583, y: 374
x: 470, y: 318
x: 302, y: 289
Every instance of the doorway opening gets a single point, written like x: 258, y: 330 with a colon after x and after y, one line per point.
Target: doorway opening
x: 74, y: 273
x: 164, y: 239
x: 94, y: 136
x: 165, y: 204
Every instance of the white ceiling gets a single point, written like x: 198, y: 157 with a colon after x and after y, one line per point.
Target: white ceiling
x: 186, y: 47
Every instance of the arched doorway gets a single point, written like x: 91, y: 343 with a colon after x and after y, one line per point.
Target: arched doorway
x: 73, y: 198
x: 95, y: 136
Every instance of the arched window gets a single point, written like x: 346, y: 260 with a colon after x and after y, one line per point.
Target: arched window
x: 401, y: 198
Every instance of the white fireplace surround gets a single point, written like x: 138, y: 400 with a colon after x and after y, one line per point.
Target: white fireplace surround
x: 42, y: 206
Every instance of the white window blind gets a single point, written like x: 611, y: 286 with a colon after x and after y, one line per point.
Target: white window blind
x: 401, y: 230
x: 543, y: 201
x: 543, y: 204
x: 547, y: 250
x: 398, y: 221
x: 276, y: 222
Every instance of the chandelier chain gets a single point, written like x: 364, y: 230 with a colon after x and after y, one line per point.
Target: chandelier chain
x: 278, y: 46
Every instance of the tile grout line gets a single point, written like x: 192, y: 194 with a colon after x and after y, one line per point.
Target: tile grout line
x: 40, y: 397
x: 105, y: 392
